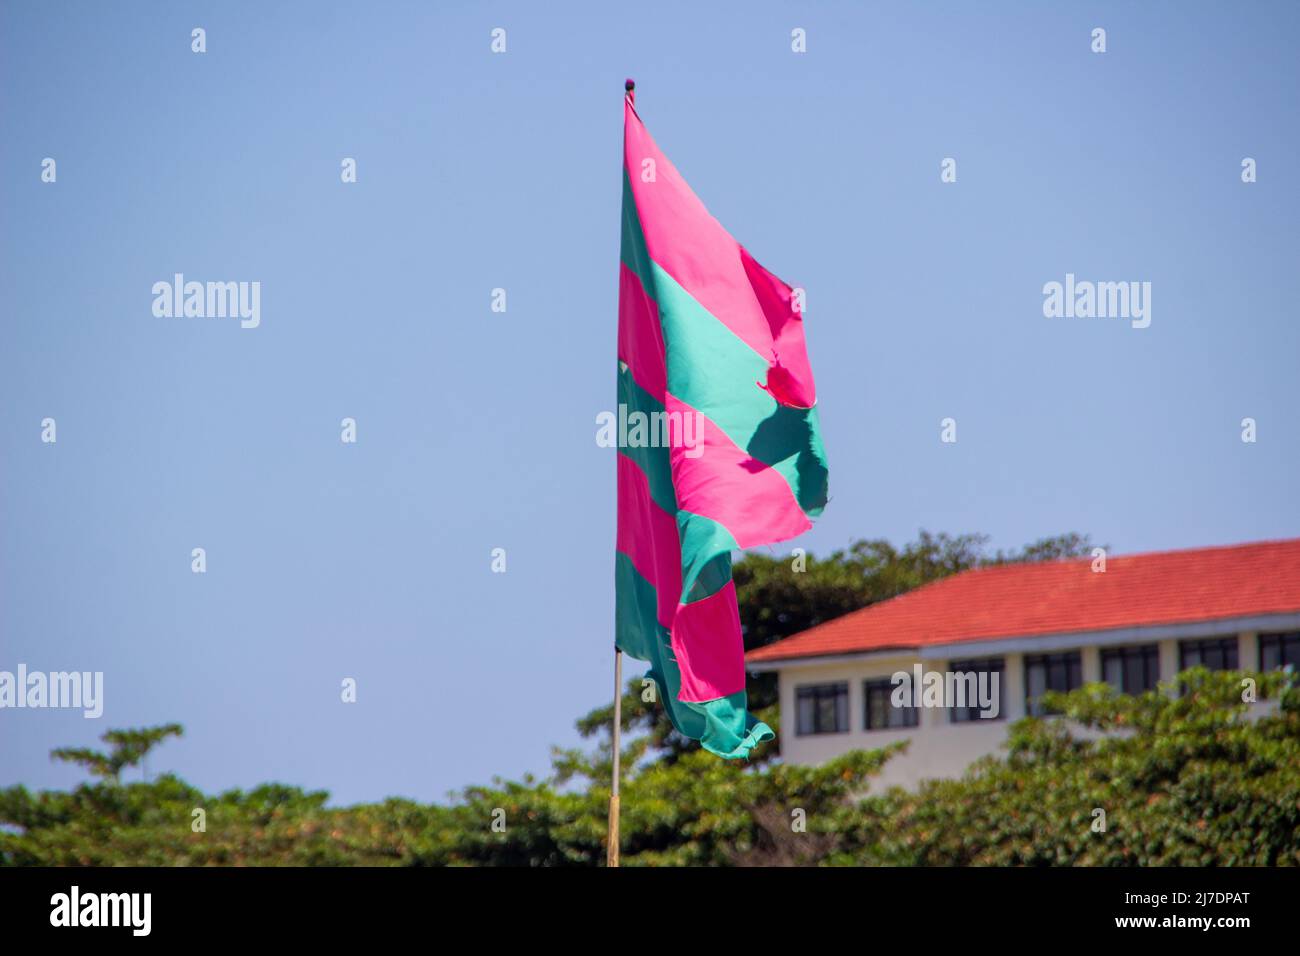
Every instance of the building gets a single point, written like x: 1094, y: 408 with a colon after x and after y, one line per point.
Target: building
x: 1054, y: 625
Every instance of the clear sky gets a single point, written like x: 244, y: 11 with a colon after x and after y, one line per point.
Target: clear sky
x: 476, y: 430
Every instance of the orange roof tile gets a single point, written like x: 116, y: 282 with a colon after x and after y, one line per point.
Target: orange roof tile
x: 1059, y: 597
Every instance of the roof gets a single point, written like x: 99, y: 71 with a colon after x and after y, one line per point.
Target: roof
x: 1061, y: 597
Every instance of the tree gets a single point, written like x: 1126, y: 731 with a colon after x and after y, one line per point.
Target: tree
x: 1190, y: 779
x: 1182, y: 776
x: 129, y: 748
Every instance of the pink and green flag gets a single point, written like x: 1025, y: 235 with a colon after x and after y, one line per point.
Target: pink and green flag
x: 719, y: 446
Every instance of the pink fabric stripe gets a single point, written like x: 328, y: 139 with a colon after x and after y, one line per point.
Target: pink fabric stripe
x: 709, y: 647
x: 693, y: 247
x: 648, y: 536
x: 706, y: 636
x: 640, y: 337
x: 747, y: 497
x: 713, y: 478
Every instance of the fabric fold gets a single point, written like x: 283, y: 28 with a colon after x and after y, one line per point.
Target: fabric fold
x: 722, y: 446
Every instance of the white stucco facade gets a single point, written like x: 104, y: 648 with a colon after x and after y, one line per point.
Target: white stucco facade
x: 940, y: 747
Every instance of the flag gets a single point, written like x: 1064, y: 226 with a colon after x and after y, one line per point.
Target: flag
x: 719, y: 446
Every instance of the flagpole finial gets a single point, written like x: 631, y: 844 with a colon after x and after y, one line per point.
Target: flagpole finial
x: 629, y: 87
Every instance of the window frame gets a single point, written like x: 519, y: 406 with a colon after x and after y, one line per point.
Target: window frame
x: 817, y: 691
x: 1201, y: 644
x: 911, y: 713
x: 1073, y: 661
x: 1150, y: 654
x: 1283, y: 641
x: 978, y: 665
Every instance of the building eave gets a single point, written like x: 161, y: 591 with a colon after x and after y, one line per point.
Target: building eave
x: 1039, y: 643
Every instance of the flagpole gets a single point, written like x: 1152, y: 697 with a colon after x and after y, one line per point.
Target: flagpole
x: 611, y: 859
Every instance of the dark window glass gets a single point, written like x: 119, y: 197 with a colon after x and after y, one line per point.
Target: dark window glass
x: 972, y: 710
x: 1279, y: 650
x: 1044, y: 672
x: 1131, y: 670
x: 881, y: 714
x: 822, y: 709
x: 1216, y: 654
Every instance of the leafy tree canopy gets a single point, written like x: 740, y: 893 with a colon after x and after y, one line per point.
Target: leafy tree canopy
x: 1187, y: 778
x: 1188, y: 775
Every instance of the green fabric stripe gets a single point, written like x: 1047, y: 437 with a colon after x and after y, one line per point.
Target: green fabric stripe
x: 706, y: 556
x: 633, y: 251
x: 706, y: 545
x: 636, y: 623
x: 731, y: 731
x: 714, y: 371
x: 723, y: 726
x: 654, y: 462
x: 640, y: 635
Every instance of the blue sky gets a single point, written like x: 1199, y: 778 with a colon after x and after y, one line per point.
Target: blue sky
x: 476, y: 429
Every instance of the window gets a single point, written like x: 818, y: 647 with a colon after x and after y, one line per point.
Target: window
x: 881, y: 714
x: 1279, y: 650
x: 823, y: 709
x: 1131, y: 670
x: 1216, y: 654
x: 976, y: 678
x: 1044, y: 672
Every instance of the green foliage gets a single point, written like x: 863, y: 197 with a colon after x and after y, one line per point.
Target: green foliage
x: 1183, y: 780
x: 1186, y: 780
x: 129, y: 748
x: 696, y: 810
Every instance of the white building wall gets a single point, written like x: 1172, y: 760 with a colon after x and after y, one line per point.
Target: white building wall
x: 1248, y: 650
x: 1168, y: 660
x: 1091, y: 664
x: 1013, y: 674
x: 938, y: 747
